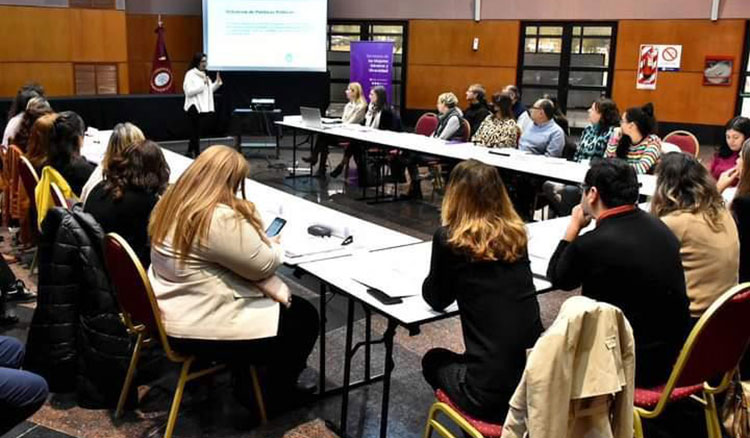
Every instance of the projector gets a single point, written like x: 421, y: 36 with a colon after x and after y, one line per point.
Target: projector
x: 263, y: 104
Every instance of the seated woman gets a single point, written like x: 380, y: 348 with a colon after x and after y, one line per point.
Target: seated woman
x: 604, y: 117
x: 38, y: 149
x: 379, y: 116
x: 499, y: 130
x: 122, y: 202
x: 354, y: 113
x: 740, y: 207
x: 736, y: 132
x: 636, y: 140
x: 17, y: 109
x: 123, y: 135
x: 479, y: 259
x: 450, y: 118
x: 212, y: 270
x: 65, y: 157
x: 687, y: 201
x: 37, y: 107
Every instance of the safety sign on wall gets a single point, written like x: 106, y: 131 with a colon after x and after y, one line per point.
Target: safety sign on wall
x: 670, y: 57
x: 648, y: 62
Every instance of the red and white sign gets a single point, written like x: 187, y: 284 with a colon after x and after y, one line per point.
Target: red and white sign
x: 648, y: 67
x: 670, y: 57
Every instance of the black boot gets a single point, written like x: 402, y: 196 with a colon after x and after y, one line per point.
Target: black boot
x: 337, y: 171
x: 18, y: 292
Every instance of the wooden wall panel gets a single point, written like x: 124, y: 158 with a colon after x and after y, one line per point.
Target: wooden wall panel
x: 98, y: 36
x: 425, y: 83
x: 698, y: 38
x: 123, y: 78
x: 679, y: 97
x: 184, y: 37
x: 449, y: 42
x: 441, y: 58
x: 34, y: 34
x: 57, y: 78
x: 183, y: 34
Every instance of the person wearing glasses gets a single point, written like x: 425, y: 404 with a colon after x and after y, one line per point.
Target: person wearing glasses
x: 544, y: 136
x: 636, y: 140
x: 631, y: 260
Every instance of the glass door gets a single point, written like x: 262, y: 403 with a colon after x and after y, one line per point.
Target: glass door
x: 573, y: 62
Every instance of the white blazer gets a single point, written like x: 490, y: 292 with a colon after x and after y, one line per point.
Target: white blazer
x: 199, y: 91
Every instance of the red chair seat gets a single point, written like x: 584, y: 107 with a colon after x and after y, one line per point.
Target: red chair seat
x: 648, y: 398
x: 489, y: 430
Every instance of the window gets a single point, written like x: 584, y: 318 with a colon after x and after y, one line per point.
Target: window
x: 340, y: 36
x: 93, y: 4
x: 743, y: 102
x: 573, y: 62
x: 93, y: 79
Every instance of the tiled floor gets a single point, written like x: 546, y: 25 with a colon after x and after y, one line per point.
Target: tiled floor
x: 209, y: 410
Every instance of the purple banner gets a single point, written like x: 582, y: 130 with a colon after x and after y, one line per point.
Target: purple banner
x: 372, y: 65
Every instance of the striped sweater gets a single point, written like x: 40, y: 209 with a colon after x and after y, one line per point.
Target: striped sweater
x: 642, y: 156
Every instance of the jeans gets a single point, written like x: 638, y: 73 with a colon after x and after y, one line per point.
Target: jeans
x: 21, y: 393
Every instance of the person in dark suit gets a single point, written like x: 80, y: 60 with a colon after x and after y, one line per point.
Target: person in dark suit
x: 479, y: 259
x: 630, y: 260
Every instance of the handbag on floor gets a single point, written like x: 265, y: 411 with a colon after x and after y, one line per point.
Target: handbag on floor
x: 734, y: 414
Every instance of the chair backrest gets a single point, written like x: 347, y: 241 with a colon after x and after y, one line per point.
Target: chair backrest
x: 717, y: 342
x: 57, y: 196
x: 427, y: 124
x: 466, y: 130
x: 686, y: 141
x: 133, y: 289
x: 29, y: 179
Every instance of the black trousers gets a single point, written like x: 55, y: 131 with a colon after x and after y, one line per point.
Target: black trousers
x: 285, y: 354
x: 197, y: 123
x: 7, y: 277
x: 446, y: 370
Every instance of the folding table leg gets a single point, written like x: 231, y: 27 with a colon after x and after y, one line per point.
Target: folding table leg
x: 390, y: 332
x: 347, y: 366
x: 322, y: 335
x: 368, y: 341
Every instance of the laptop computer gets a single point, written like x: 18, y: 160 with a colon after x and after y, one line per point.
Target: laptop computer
x: 311, y: 117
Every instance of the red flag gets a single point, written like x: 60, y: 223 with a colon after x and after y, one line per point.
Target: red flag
x: 162, y: 79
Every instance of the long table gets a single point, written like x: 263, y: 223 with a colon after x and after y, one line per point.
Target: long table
x: 382, y: 251
x: 556, y: 169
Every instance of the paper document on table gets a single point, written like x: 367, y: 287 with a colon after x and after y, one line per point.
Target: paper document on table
x: 305, y: 245
x: 396, y: 272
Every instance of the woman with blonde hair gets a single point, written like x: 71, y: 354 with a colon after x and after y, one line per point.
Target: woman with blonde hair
x: 687, y: 201
x: 479, y: 259
x: 450, y: 118
x: 354, y: 113
x: 123, y: 135
x: 212, y: 271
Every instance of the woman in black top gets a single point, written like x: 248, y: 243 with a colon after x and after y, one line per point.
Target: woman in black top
x: 740, y: 207
x: 479, y: 259
x: 122, y: 203
x: 66, y: 139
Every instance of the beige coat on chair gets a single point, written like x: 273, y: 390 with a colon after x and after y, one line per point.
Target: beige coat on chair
x: 579, y: 377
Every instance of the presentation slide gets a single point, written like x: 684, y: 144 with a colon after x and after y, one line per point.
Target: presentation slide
x: 265, y: 35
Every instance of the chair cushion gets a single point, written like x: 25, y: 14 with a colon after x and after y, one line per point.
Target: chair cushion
x: 488, y: 430
x: 648, y: 398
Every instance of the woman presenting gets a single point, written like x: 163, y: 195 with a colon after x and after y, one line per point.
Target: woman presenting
x: 199, y: 99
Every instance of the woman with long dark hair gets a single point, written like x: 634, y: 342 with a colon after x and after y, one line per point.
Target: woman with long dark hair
x: 17, y: 108
x: 498, y: 130
x: 479, y: 259
x: 687, y: 201
x: 199, y: 99
x: 637, y: 142
x: 65, y: 157
x: 723, y: 166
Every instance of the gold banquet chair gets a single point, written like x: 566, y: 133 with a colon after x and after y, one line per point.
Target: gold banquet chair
x: 141, y: 315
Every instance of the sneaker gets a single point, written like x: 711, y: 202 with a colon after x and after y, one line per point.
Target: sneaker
x: 20, y: 293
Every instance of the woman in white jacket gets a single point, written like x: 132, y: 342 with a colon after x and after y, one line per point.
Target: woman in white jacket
x: 199, y: 99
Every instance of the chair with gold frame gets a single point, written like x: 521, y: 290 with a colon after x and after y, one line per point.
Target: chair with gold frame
x: 471, y: 427
x: 713, y: 349
x: 141, y: 315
